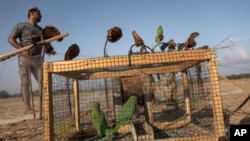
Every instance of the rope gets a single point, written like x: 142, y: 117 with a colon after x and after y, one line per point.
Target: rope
x: 246, y: 99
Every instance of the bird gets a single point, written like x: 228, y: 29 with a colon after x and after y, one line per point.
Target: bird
x: 171, y: 44
x: 159, y: 37
x: 164, y: 46
x: 124, y: 116
x: 127, y: 110
x: 98, y: 120
x: 190, y: 42
x: 180, y: 46
x: 138, y: 41
x: 114, y: 34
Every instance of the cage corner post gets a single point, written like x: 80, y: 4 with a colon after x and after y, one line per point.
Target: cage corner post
x: 76, y: 106
x: 186, y: 95
x: 216, y: 97
x: 48, y: 105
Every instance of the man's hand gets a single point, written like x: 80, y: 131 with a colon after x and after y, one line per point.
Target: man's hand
x: 25, y: 53
x: 52, y: 52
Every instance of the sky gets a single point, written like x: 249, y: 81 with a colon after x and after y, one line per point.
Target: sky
x: 220, y: 23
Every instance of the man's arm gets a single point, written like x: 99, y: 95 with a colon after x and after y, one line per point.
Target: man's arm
x: 16, y: 45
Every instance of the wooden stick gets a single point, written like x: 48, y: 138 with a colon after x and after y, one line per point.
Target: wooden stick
x: 69, y: 101
x: 41, y: 91
x: 186, y: 94
x: 76, y: 104
x: 17, y: 51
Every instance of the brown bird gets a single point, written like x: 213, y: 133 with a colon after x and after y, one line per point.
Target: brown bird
x: 114, y: 34
x: 164, y: 46
x: 72, y: 52
x: 171, y: 44
x: 50, y: 31
x: 138, y: 41
x: 181, y: 46
x: 190, y: 42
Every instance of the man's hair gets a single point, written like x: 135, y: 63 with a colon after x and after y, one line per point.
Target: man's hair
x: 31, y: 10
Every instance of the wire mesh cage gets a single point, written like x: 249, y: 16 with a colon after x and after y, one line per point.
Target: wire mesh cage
x: 178, y: 97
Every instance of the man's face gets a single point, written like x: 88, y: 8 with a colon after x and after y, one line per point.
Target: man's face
x: 37, y: 15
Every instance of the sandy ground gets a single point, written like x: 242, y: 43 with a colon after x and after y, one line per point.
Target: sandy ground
x: 11, y: 110
x: 15, y: 125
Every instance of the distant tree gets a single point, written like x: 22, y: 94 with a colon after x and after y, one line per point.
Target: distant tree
x: 16, y: 95
x: 239, y: 76
x: 4, y: 94
x: 35, y: 93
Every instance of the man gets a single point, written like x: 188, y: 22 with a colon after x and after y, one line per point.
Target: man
x: 29, y: 61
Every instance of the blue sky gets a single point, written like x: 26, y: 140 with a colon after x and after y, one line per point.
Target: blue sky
x: 87, y: 22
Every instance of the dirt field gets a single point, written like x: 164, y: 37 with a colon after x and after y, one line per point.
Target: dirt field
x: 15, y: 125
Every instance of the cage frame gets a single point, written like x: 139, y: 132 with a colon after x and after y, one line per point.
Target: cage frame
x: 189, y: 58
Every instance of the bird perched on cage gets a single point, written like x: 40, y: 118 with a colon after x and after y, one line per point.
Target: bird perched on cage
x: 138, y: 41
x: 159, y: 37
x: 72, y: 52
x: 164, y: 46
x: 125, y: 115
x: 190, y: 42
x: 180, y: 46
x: 171, y: 44
x: 114, y: 34
x: 98, y: 119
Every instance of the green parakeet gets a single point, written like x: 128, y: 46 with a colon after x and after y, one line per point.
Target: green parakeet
x: 159, y: 37
x: 127, y: 111
x: 98, y: 119
x: 124, y: 116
